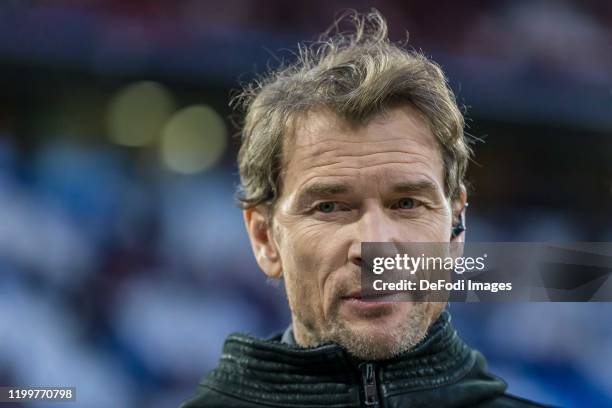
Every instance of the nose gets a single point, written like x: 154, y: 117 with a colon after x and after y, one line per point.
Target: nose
x: 373, y: 225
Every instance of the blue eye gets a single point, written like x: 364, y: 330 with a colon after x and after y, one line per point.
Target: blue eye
x: 406, y: 204
x: 326, y: 207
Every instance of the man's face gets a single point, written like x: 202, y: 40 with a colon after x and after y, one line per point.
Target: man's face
x: 343, y: 185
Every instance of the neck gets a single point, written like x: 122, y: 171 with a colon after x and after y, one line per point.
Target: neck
x: 304, y: 336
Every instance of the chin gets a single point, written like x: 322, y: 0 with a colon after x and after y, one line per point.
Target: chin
x: 384, y: 337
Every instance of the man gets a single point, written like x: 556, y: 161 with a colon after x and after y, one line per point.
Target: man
x: 357, y: 141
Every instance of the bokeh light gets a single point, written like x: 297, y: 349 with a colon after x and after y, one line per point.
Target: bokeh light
x: 193, y: 140
x: 137, y: 113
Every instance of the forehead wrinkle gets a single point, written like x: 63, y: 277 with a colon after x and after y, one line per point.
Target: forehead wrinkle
x: 360, y: 170
x: 323, y: 146
x: 393, y: 152
x: 351, y: 148
x: 320, y: 159
x: 355, y: 162
x: 420, y: 163
x: 352, y: 140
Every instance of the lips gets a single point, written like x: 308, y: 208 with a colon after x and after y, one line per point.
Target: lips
x: 355, y: 305
x: 356, y: 294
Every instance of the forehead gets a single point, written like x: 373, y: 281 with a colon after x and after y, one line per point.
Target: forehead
x: 397, y: 141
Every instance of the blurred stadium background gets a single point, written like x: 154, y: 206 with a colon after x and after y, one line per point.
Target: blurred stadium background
x: 123, y: 261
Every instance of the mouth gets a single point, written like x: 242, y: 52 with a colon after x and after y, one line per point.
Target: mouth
x: 357, y: 296
x: 360, y: 307
x: 370, y: 301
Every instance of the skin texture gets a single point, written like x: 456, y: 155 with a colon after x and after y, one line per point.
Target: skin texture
x: 342, y: 185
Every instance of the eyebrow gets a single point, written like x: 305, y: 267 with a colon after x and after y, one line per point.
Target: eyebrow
x: 319, y: 190
x: 417, y: 186
x: 323, y: 190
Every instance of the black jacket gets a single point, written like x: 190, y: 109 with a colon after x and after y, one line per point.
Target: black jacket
x: 442, y: 371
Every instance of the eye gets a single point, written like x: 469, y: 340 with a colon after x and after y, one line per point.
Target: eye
x: 406, y: 204
x: 327, y: 206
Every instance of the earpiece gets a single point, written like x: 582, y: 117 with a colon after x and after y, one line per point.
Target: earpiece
x: 460, y: 227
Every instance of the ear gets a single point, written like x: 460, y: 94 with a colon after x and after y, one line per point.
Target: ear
x: 262, y: 242
x: 459, y: 209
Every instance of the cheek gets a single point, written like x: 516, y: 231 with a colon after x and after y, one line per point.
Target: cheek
x: 441, y: 220
x: 307, y: 244
x: 433, y: 228
x: 301, y: 264
x: 302, y: 242
x: 310, y: 255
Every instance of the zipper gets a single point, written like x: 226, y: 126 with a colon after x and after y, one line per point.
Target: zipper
x: 370, y: 389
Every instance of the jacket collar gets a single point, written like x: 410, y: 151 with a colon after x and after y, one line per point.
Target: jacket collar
x: 271, y: 371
